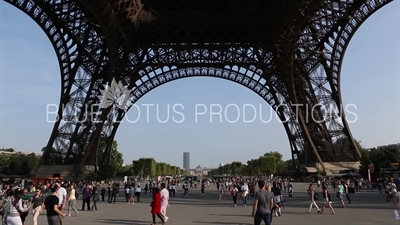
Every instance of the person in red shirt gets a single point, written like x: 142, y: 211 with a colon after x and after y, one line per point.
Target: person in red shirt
x: 156, y: 206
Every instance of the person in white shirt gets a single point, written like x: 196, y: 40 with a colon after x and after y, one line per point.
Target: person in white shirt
x: 173, y: 189
x: 62, y: 195
x: 396, y: 199
x: 127, y: 193
x: 137, y: 193
x: 245, y: 191
x: 164, y: 201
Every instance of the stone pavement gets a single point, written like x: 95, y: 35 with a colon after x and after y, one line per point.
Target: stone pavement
x: 368, y: 208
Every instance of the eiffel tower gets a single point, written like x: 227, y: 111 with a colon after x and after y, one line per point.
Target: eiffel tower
x: 288, y: 52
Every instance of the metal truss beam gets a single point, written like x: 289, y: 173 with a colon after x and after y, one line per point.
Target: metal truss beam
x: 322, y: 45
x: 97, y: 41
x: 79, y: 53
x: 116, y: 67
x: 263, y: 84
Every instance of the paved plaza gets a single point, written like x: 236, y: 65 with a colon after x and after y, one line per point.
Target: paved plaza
x: 368, y: 208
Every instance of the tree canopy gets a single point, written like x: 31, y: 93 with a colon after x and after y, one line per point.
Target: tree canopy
x: 149, y: 167
x: 378, y: 159
x: 269, y: 163
x: 18, y: 163
x: 112, y: 167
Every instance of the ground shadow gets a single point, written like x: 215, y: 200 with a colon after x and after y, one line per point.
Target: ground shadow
x: 225, y: 223
x: 230, y: 215
x: 123, y: 222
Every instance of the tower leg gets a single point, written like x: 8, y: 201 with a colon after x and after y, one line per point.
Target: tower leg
x: 71, y: 35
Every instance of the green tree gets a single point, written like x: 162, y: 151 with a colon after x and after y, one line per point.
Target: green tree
x: 278, y: 156
x: 18, y: 164
x: 236, y: 167
x: 177, y: 170
x: 253, y: 167
x: 163, y: 169
x: 137, y: 168
x: 290, y: 163
x: 15, y: 164
x: 29, y: 163
x: 267, y: 164
x: 281, y: 167
x: 158, y: 168
x: 227, y: 169
x: 110, y: 170
x: 149, y: 166
x: 384, y: 158
x: 173, y: 170
x: 4, y: 163
x: 365, y: 162
x: 168, y: 169
x: 126, y: 171
x: 183, y: 172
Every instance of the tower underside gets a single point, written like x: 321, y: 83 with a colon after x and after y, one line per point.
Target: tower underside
x: 288, y: 52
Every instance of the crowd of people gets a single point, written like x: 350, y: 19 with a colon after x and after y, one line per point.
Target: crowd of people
x: 267, y: 196
x: 17, y: 203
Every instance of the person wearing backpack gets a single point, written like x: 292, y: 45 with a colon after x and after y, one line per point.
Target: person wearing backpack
x: 313, y: 198
x: 234, y: 192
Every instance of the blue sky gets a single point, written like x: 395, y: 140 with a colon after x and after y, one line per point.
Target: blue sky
x: 30, y: 80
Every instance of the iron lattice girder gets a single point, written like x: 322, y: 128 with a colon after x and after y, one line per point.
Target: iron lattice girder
x: 246, y: 77
x: 208, y: 21
x: 329, y: 38
x: 334, y: 20
x: 81, y: 56
x: 98, y: 40
x: 323, y: 85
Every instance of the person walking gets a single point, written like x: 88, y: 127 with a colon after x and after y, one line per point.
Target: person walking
x: 164, y: 193
x: 263, y: 205
x: 72, y: 201
x: 51, y: 204
x: 234, y: 194
x: 38, y: 203
x: 95, y: 198
x: 86, y: 198
x: 327, y: 200
x: 313, y: 196
x: 340, y: 195
x: 14, y: 207
x: 4, y: 206
x: 156, y: 206
x: 137, y: 193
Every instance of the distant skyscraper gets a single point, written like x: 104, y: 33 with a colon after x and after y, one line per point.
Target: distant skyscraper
x: 186, y: 160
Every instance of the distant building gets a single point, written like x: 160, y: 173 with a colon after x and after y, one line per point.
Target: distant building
x: 200, y: 171
x: 186, y: 160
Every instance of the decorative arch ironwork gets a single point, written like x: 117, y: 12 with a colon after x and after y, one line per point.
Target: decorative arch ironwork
x: 300, y: 65
x: 251, y: 78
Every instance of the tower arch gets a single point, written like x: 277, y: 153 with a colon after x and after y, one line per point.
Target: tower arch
x: 103, y: 41
x: 250, y: 78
